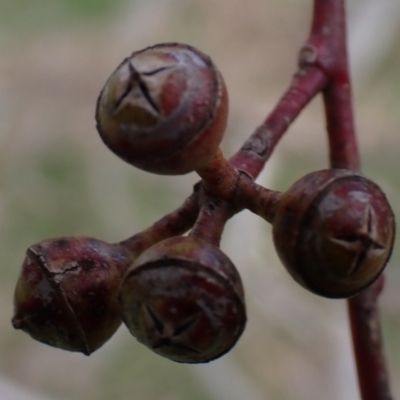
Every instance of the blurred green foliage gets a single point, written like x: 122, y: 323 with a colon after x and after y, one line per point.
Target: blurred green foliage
x: 24, y: 16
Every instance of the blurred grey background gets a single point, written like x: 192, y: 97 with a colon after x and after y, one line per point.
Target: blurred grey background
x: 57, y: 178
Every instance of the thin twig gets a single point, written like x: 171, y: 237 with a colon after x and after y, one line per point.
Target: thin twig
x: 330, y: 28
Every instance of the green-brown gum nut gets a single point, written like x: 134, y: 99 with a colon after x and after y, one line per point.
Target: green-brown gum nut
x: 66, y: 295
x: 334, y: 231
x: 164, y: 109
x: 183, y: 298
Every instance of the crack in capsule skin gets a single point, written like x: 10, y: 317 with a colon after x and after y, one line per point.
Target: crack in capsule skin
x: 66, y: 295
x: 36, y: 254
x: 362, y: 243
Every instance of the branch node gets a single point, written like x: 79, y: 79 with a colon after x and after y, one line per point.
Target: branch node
x: 308, y: 55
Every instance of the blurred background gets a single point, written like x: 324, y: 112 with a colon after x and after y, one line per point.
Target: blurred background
x: 57, y: 179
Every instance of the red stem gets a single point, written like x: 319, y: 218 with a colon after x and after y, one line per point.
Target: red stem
x: 211, y: 220
x: 220, y: 178
x: 329, y: 32
x: 258, y: 148
x: 238, y: 188
x: 328, y: 43
x: 173, y: 224
x: 342, y: 141
x: 367, y: 341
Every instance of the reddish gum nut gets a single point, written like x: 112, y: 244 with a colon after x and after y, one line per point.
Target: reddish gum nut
x: 334, y: 231
x: 183, y: 298
x: 164, y: 109
x: 66, y: 295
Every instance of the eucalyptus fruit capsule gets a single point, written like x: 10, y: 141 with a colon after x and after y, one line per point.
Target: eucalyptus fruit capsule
x: 67, y: 292
x: 334, y: 231
x: 183, y: 298
x: 164, y: 109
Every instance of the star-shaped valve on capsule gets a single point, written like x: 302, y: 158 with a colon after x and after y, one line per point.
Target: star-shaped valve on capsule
x: 170, y: 333
x: 364, y: 243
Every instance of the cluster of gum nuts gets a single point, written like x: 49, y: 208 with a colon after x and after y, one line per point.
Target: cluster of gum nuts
x: 164, y: 110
